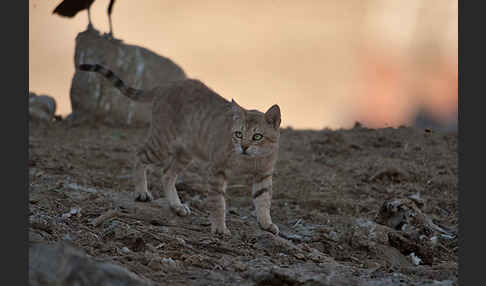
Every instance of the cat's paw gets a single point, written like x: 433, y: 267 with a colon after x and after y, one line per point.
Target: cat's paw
x: 143, y: 196
x: 181, y: 210
x: 220, y: 229
x: 273, y: 228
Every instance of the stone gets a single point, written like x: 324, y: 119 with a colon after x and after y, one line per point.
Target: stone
x: 93, y: 98
x: 324, y: 274
x: 63, y: 264
x: 41, y: 107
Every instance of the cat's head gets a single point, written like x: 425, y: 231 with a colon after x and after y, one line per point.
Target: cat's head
x: 254, y: 133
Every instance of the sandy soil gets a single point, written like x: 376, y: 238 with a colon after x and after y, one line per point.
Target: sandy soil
x: 331, y: 188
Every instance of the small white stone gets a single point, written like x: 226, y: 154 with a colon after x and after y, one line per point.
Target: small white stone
x: 415, y: 259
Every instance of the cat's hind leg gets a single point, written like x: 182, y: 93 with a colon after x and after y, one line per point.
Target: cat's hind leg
x: 142, y: 193
x: 177, y: 164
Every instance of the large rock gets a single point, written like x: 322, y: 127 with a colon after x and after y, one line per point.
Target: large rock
x: 62, y: 264
x: 95, y: 98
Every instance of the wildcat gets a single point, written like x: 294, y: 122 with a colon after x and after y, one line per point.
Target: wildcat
x: 192, y: 122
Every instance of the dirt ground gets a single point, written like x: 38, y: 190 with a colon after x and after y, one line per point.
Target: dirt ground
x: 332, y: 192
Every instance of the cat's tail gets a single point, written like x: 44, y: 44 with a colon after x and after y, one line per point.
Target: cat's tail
x: 130, y: 92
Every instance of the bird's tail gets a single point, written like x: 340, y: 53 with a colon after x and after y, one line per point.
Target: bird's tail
x: 130, y: 92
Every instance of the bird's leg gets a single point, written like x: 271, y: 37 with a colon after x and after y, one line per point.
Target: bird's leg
x: 110, y: 8
x: 90, y: 26
x: 110, y: 34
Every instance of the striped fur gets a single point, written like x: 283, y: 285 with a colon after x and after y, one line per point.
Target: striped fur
x: 262, y: 196
x: 132, y: 93
x: 190, y: 122
x: 259, y: 193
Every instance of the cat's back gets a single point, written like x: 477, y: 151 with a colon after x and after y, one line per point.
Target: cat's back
x: 191, y: 108
x: 186, y: 95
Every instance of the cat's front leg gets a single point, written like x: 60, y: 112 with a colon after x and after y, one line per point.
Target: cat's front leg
x: 262, y: 200
x: 216, y: 203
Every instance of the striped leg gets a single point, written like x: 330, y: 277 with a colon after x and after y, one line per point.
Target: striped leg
x: 146, y: 155
x: 262, y: 200
x: 216, y: 203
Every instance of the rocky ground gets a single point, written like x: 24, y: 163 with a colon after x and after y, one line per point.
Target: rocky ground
x: 355, y: 207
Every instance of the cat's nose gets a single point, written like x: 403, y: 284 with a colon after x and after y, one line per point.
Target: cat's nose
x: 244, y: 148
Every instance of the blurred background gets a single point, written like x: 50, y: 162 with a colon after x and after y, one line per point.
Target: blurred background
x: 327, y: 64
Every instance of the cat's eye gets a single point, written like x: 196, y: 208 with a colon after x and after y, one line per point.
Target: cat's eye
x: 257, y: 137
x: 238, y: 134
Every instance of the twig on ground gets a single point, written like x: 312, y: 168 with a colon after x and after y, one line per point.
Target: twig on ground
x: 107, y: 215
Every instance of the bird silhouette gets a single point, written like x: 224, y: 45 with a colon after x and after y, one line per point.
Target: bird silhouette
x: 69, y: 8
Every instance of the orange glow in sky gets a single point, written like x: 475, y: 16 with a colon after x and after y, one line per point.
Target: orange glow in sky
x: 326, y: 63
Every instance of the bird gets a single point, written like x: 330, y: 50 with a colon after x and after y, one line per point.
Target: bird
x: 69, y: 8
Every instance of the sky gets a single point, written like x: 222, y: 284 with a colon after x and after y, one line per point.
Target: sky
x: 326, y: 64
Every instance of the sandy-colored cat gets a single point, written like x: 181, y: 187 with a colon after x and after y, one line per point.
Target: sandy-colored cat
x: 192, y: 122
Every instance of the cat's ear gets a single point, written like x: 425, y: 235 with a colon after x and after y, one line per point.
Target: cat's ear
x: 236, y: 109
x: 272, y: 116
